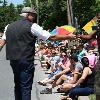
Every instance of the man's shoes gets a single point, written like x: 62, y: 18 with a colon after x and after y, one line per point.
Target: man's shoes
x: 40, y: 83
x: 48, y: 72
x: 59, y: 90
x: 46, y: 91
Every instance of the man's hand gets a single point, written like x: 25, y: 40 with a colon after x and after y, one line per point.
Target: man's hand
x: 72, y: 36
x: 2, y: 43
x: 62, y: 37
x: 88, y: 36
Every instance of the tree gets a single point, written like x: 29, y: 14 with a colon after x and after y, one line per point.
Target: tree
x: 2, y: 14
x: 96, y: 7
x: 8, y: 14
x: 1, y: 2
x: 29, y: 3
x: 82, y: 10
x: 19, y: 8
x: 52, y: 13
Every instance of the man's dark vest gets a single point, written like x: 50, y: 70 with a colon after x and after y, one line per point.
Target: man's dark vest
x: 20, y: 41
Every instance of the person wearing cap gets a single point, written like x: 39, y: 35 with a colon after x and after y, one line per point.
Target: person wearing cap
x: 20, y: 39
x: 96, y: 31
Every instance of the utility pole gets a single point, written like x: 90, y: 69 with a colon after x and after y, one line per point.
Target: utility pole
x: 70, y: 12
x: 70, y: 18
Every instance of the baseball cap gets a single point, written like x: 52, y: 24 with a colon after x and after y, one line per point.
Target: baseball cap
x: 28, y: 10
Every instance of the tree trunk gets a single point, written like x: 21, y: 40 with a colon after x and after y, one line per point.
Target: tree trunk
x: 70, y: 12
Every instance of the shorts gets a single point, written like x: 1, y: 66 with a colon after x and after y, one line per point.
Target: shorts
x: 54, y: 73
x: 69, y: 77
x: 97, y: 78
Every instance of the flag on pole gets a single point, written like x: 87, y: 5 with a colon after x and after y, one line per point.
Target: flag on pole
x: 88, y: 27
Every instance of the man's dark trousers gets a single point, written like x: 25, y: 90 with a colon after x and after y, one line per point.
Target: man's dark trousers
x: 23, y: 78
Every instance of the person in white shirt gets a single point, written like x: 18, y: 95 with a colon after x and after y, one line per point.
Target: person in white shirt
x: 19, y: 38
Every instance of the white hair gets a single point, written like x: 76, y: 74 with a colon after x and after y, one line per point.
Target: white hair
x: 24, y: 14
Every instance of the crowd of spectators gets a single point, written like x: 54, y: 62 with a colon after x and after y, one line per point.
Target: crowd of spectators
x: 70, y: 69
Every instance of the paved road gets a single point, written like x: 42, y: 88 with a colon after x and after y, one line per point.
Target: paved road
x: 6, y: 81
x: 6, y: 78
x: 39, y: 74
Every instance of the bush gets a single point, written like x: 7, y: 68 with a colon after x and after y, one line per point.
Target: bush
x: 92, y: 97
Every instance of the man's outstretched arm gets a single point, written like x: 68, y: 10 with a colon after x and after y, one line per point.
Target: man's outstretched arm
x: 2, y: 43
x: 89, y: 36
x: 61, y: 37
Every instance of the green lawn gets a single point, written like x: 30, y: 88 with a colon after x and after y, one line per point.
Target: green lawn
x: 92, y: 97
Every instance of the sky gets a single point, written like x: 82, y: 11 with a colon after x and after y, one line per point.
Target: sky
x: 15, y: 1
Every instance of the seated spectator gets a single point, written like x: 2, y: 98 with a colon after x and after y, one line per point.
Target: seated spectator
x: 92, y: 58
x: 71, y: 77
x: 55, y: 67
x: 82, y: 52
x: 76, y: 69
x: 49, y: 57
x: 85, y: 85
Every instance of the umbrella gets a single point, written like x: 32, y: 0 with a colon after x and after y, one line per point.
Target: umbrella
x: 69, y: 28
x: 63, y: 30
x: 54, y: 31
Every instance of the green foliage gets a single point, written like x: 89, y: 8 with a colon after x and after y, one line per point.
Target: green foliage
x: 19, y: 8
x: 29, y: 3
x: 8, y: 14
x: 52, y: 13
x: 1, y: 1
x: 96, y: 7
x: 82, y: 10
x: 92, y: 97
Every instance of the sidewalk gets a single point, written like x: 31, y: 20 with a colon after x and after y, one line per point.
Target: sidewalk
x: 39, y: 75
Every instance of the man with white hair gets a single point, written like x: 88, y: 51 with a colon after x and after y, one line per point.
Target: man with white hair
x: 20, y: 37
